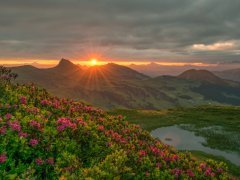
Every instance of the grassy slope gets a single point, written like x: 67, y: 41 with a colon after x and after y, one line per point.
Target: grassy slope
x: 63, y: 138
x: 227, y: 117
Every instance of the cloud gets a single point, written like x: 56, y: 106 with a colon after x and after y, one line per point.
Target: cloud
x: 120, y: 29
x: 219, y: 46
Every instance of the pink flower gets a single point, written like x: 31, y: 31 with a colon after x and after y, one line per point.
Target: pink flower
x: 202, y: 165
x: 3, y: 130
x: 208, y: 172
x: 219, y: 170
x: 177, y: 172
x: 190, y: 173
x: 213, y: 174
x: 8, y: 116
x: 44, y: 102
x: 23, y: 100
x: 142, y: 153
x: 3, y: 158
x: 33, y: 142
x: 39, y: 161
x: 101, y: 128
x: 50, y: 161
x: 15, y: 125
x: 22, y: 134
x: 35, y: 124
x: 64, y: 123
x: 61, y: 128
x: 120, y: 117
x: 175, y: 157
x: 158, y: 165
x: 155, y: 150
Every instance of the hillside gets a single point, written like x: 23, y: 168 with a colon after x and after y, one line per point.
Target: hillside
x: 202, y: 75
x: 114, y: 86
x: 231, y: 74
x: 45, y: 137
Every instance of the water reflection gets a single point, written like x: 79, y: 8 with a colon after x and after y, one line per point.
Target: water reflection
x: 187, y: 140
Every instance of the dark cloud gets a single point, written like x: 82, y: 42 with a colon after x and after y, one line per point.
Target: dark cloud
x: 120, y: 29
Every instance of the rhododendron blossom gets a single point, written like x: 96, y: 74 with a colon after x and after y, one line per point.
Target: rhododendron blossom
x: 3, y: 130
x: 33, y: 142
x: 39, y: 161
x: 54, y: 138
x: 35, y: 124
x: 3, y: 158
x: 50, y: 161
x: 23, y: 100
x: 8, y: 116
x: 190, y: 173
x: 22, y: 134
x: 142, y: 153
x: 63, y: 123
x: 100, y: 128
x: 15, y: 125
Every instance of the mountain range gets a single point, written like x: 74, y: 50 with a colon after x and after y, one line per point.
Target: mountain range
x: 115, y: 86
x: 154, y: 69
x: 231, y: 74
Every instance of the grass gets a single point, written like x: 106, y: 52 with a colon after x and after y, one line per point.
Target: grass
x: 227, y: 117
x: 224, y: 120
x: 203, y: 156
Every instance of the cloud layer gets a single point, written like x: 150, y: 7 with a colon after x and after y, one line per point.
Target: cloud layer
x: 160, y: 30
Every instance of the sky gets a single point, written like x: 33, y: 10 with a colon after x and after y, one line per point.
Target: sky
x: 193, y: 31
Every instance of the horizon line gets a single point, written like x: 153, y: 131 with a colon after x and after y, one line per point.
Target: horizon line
x: 52, y: 63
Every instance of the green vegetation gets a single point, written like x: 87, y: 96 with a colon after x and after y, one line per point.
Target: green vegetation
x: 218, y: 124
x: 235, y: 170
x: 46, y: 137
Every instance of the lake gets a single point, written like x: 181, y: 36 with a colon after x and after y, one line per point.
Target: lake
x: 183, y: 139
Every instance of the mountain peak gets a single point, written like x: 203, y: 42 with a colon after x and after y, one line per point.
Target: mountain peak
x: 201, y: 75
x: 65, y: 65
x: 64, y: 62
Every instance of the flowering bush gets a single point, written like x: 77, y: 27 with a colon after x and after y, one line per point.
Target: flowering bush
x: 42, y: 136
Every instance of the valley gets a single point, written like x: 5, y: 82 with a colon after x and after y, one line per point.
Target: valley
x: 113, y: 86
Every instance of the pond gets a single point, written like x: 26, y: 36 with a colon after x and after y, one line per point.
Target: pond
x: 187, y: 140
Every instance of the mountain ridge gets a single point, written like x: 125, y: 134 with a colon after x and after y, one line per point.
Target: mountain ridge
x: 201, y: 75
x: 116, y: 86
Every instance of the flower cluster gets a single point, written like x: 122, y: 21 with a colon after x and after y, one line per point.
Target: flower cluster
x: 63, y: 123
x: 23, y: 100
x: 3, y: 158
x: 15, y: 125
x: 35, y: 124
x: 45, y: 137
x: 33, y: 142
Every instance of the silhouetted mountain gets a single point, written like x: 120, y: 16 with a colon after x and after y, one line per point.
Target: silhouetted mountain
x: 232, y: 74
x: 154, y: 69
x: 202, y: 75
x: 116, y: 86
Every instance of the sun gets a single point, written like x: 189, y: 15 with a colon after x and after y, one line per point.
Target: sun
x: 93, y: 62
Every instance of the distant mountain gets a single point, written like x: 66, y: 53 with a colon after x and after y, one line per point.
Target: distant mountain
x: 116, y: 86
x: 154, y: 69
x: 232, y: 74
x: 202, y: 75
